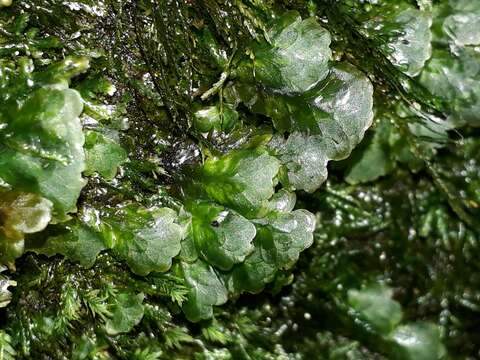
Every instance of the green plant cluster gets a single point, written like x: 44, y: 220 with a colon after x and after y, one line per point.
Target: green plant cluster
x: 248, y: 179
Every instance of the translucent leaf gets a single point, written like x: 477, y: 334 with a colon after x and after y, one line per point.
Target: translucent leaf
x: 20, y: 214
x: 23, y: 213
x: 280, y: 239
x: 42, y: 147
x: 206, y: 289
x: 283, y: 201
x: 419, y: 341
x: 242, y: 180
x: 221, y: 118
x: 147, y: 239
x: 78, y: 243
x: 456, y: 79
x: 103, y: 155
x: 326, y: 125
x: 5, y: 294
x: 222, y: 236
x: 463, y: 25
x: 305, y: 159
x: 374, y: 305
x: 296, y: 58
x: 288, y: 234
x: 407, y: 33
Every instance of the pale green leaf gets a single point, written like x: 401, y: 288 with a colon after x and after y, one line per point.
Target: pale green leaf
x: 205, y: 290
x: 374, y: 305
x: 42, y: 147
x: 5, y: 294
x: 407, y: 33
x: 326, y: 125
x: 127, y: 312
x: 242, y: 180
x: 103, y: 155
x: 419, y: 341
x: 222, y: 236
x: 462, y: 26
x: 20, y: 214
x: 280, y: 239
x: 78, y: 243
x: 146, y: 238
x: 219, y: 117
x: 296, y: 58
x: 456, y: 79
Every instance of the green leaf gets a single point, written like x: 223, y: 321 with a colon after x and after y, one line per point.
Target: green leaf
x: 288, y: 234
x: 376, y: 159
x: 41, y: 148
x: 10, y: 249
x: 408, y: 35
x: 389, y: 145
x: 419, y: 341
x: 457, y: 81
x: 305, y: 160
x: 283, y: 201
x: 242, y: 180
x: 375, y: 306
x: 374, y: 163
x: 222, y: 236
x: 127, y: 312
x: 146, y: 238
x: 78, y: 243
x: 296, y: 57
x: 340, y: 110
x: 280, y: 239
x: 205, y: 290
x: 463, y: 25
x: 103, y: 155
x: 219, y: 117
x: 326, y: 125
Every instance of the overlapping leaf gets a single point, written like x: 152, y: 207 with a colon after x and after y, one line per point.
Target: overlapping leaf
x: 388, y: 146
x: 325, y: 123
x: 373, y: 304
x: 243, y: 180
x: 326, y: 110
x: 222, y: 236
x: 206, y: 289
x: 103, y: 155
x: 240, y: 253
x: 147, y: 239
x: 20, y: 214
x: 456, y: 80
x: 295, y: 59
x: 462, y: 24
x: 41, y: 136
x: 453, y: 73
x: 407, y: 33
x: 280, y: 239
